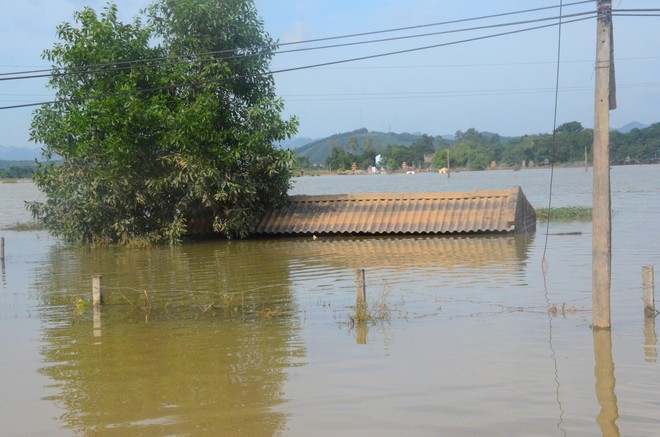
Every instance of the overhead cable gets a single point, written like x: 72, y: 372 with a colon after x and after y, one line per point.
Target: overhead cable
x: 323, y: 64
x: 233, y: 51
x: 444, y: 32
x: 469, y: 29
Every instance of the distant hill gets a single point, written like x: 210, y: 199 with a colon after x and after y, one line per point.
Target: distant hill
x: 19, y: 153
x: 490, y: 135
x: 630, y: 126
x: 318, y: 151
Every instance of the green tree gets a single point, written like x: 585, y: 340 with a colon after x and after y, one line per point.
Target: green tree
x: 162, y: 125
x: 301, y: 163
x: 368, y: 157
x: 339, y: 160
x: 422, y: 146
x: 395, y: 155
x: 570, y: 127
x: 472, y: 150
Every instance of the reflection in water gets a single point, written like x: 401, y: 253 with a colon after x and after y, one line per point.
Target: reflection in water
x: 406, y: 263
x: 97, y: 321
x: 650, y: 339
x: 170, y: 367
x: 447, y: 252
x: 361, y: 332
x: 200, y: 338
x: 605, y: 383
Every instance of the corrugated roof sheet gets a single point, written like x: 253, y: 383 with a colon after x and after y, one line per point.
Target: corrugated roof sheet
x: 480, y: 211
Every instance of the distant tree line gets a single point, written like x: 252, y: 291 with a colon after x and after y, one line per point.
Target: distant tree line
x: 391, y: 156
x: 475, y: 150
x: 17, y: 172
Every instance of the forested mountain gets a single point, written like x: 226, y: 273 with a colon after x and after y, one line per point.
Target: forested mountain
x: 630, y: 126
x: 353, y: 142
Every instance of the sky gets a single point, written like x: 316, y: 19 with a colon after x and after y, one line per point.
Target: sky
x: 503, y: 84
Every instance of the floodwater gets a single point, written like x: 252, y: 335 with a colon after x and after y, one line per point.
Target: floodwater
x: 466, y: 336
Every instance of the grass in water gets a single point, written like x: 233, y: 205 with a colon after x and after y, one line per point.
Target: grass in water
x: 564, y: 213
x: 376, y: 311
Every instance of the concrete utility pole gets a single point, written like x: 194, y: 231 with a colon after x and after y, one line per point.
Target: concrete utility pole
x: 602, y: 219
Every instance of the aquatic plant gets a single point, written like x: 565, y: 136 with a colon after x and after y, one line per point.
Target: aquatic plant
x: 374, y: 311
x: 564, y: 213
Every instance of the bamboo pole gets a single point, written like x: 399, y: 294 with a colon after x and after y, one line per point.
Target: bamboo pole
x: 97, y: 290
x: 602, y: 220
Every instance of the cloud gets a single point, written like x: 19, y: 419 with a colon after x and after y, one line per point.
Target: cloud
x: 298, y: 31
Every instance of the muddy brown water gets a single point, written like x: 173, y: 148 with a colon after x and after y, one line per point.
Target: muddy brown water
x: 466, y: 335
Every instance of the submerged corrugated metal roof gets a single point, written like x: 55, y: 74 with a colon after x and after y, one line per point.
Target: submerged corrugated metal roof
x: 403, y: 213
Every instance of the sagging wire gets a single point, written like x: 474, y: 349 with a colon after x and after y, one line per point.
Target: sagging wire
x: 544, y: 262
x: 291, y: 69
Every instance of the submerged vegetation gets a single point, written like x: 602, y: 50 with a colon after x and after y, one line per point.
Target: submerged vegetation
x: 182, y: 304
x: 564, y: 213
x: 375, y: 311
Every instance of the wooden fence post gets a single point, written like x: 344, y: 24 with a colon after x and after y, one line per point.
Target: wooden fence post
x: 2, y: 248
x: 648, y: 290
x: 360, y: 287
x: 360, y: 307
x: 97, y: 290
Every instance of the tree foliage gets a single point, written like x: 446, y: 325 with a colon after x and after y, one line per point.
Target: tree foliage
x: 158, y: 137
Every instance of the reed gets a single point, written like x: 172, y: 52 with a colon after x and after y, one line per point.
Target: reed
x: 375, y: 311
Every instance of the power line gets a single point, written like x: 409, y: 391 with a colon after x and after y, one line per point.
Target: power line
x: 636, y: 10
x: 445, y: 94
x: 408, y: 67
x: 379, y: 55
x: 416, y: 49
x: 342, y: 61
x: 33, y: 73
x: 634, y: 15
x: 407, y: 95
x: 469, y: 29
x: 483, y: 17
x: 490, y: 64
x: 554, y: 144
x: 131, y: 63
